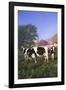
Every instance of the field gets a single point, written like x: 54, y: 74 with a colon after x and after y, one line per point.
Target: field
x: 30, y: 69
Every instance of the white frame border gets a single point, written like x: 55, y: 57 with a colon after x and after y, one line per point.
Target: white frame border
x: 24, y: 81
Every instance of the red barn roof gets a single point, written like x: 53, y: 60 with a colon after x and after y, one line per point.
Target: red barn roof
x: 41, y: 42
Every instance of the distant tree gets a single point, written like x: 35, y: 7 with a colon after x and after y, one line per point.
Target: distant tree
x: 26, y: 35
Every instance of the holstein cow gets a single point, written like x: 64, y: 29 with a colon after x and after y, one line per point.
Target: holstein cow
x: 34, y: 52
x: 43, y: 51
x: 52, y: 52
x: 30, y: 54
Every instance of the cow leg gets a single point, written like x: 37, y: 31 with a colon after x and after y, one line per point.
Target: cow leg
x: 35, y: 60
x: 47, y: 60
x: 34, y: 57
x: 26, y: 57
x: 52, y: 56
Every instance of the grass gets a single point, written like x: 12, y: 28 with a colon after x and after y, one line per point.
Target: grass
x: 30, y: 69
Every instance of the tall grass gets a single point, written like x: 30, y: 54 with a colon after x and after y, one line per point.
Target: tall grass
x: 30, y: 69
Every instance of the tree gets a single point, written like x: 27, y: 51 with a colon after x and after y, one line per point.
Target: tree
x: 26, y: 35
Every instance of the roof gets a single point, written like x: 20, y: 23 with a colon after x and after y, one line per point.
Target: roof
x: 41, y: 42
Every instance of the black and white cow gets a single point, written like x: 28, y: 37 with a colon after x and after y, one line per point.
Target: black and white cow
x: 43, y: 52
x: 29, y: 54
x: 34, y: 52
x: 52, y: 52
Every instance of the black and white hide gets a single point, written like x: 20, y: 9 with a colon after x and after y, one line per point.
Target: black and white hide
x: 30, y: 54
x: 53, y: 52
x: 42, y: 52
x: 34, y: 52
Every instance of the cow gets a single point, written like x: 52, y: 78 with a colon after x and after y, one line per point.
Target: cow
x: 52, y: 52
x: 34, y: 52
x: 42, y: 52
x: 30, y: 54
